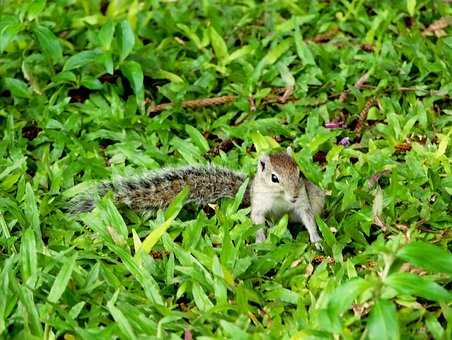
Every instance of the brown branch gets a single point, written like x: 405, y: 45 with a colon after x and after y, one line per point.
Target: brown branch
x: 344, y: 94
x: 325, y: 37
x: 363, y: 115
x: 193, y: 103
x: 280, y: 95
x: 437, y: 27
x: 361, y: 82
x: 284, y: 92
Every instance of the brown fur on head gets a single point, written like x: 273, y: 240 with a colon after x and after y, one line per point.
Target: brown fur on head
x: 281, y: 174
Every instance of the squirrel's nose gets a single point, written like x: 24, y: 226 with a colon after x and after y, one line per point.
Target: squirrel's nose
x: 294, y: 199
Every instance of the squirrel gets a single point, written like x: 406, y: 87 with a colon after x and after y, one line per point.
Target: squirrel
x: 277, y: 188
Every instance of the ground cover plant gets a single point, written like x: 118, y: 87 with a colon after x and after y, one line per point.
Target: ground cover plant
x: 359, y: 89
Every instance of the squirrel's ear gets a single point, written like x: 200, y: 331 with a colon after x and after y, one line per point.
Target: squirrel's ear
x: 289, y: 151
x: 263, y: 162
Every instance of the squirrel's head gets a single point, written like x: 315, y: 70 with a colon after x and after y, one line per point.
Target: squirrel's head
x: 281, y: 174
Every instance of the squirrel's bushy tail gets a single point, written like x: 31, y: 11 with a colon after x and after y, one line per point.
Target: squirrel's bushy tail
x: 156, y: 189
x: 87, y: 201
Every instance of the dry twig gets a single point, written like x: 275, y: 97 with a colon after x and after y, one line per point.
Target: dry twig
x: 437, y: 27
x: 363, y: 115
x: 194, y: 103
x: 325, y: 37
x: 286, y: 94
x: 362, y: 80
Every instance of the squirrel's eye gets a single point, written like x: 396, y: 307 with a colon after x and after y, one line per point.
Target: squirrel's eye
x: 275, y: 179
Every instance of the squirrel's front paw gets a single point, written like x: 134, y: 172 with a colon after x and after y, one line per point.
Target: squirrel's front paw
x: 318, y: 245
x: 260, y: 235
x: 317, y: 241
x: 315, y: 238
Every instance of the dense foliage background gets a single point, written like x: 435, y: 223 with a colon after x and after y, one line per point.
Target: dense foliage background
x: 359, y: 89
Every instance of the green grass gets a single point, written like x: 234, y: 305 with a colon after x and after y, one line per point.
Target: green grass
x: 73, y: 79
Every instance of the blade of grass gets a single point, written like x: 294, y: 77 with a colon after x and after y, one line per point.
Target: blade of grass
x: 62, y: 279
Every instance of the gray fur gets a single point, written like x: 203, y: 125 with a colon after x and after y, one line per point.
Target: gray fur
x: 156, y: 189
x: 279, y: 188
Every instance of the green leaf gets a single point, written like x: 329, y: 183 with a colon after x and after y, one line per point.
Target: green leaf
x: 411, y: 7
x: 6, y: 271
x: 31, y: 315
x: 35, y: 8
x: 238, y: 197
x: 134, y: 74
x: 342, y: 297
x: 126, y: 39
x: 29, y: 257
x: 106, y: 34
x: 276, y: 52
x: 170, y: 214
x: 303, y: 51
x: 280, y: 228
x: 382, y: 322
x: 81, y: 59
x: 238, y: 54
x: 17, y: 87
x: 233, y: 331
x: 177, y: 204
x: 61, y: 280
x: 190, y: 34
x: 197, y: 138
x: 31, y: 211
x: 49, y: 43
x: 434, y: 326
x: 410, y: 284
x: 122, y: 321
x: 326, y: 232
x: 114, y: 219
x: 219, y: 286
x: 427, y: 256
x: 169, y: 270
x: 76, y: 309
x: 263, y: 143
x: 272, y: 56
x: 200, y: 297
x: 218, y: 44
x: 9, y: 29
x: 187, y: 150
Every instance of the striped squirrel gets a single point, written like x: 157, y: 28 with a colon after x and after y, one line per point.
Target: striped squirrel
x: 278, y: 188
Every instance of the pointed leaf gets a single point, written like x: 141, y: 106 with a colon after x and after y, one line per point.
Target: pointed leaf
x: 134, y: 74
x: 31, y: 210
x: 29, y: 257
x: 427, y: 256
x: 126, y: 39
x: 49, y: 43
x: 106, y: 34
x: 122, y: 321
x: 17, y: 87
x: 61, y: 280
x: 410, y: 284
x: 81, y: 59
x: 343, y: 296
x: 112, y: 216
x: 218, y: 44
x: 200, y: 297
x: 382, y: 322
x: 198, y: 139
x: 303, y: 51
x: 171, y: 213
